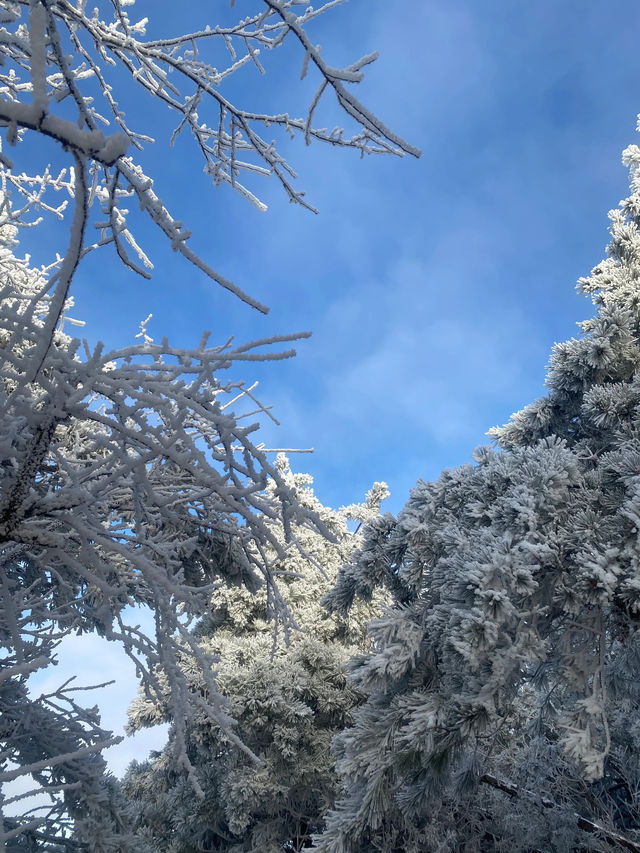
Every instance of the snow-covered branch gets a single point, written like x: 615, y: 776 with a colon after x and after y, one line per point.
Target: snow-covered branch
x: 131, y: 477
x: 125, y: 480
x: 64, y: 76
x: 611, y: 837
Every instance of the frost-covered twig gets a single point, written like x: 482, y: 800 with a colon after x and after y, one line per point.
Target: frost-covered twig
x: 124, y: 480
x: 73, y: 99
x: 612, y: 838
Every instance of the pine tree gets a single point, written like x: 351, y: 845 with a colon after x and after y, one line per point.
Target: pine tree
x: 503, y: 689
x: 288, y: 693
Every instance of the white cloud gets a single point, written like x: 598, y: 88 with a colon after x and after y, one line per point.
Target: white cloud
x: 430, y: 342
x: 94, y: 660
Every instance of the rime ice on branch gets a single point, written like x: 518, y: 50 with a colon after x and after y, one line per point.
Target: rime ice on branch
x: 125, y: 478
x: 289, y: 699
x: 73, y: 99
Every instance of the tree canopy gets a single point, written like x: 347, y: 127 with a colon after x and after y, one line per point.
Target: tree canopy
x: 490, y: 704
x: 504, y: 678
x: 290, y: 696
x: 128, y: 477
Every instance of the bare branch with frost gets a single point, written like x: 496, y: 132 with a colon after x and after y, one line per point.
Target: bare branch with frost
x: 125, y: 480
x: 73, y: 99
x: 615, y: 839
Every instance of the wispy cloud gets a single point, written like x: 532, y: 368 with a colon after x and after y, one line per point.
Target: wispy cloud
x: 94, y: 660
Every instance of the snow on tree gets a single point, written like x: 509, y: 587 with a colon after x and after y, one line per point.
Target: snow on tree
x: 503, y: 685
x: 125, y: 477
x: 71, y: 98
x: 126, y: 480
x: 289, y: 699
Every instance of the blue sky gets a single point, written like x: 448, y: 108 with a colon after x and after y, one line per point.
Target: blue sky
x: 434, y: 288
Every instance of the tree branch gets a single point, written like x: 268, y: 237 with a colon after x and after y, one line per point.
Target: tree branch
x: 612, y: 838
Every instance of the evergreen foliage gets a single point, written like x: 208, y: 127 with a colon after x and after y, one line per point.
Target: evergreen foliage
x: 288, y: 694
x: 503, y: 688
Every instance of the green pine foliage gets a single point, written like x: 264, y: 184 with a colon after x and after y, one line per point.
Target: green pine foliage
x: 289, y: 695
x: 503, y: 685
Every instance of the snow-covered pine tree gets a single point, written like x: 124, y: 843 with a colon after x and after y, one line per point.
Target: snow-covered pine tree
x: 289, y: 698
x: 503, y: 708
